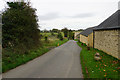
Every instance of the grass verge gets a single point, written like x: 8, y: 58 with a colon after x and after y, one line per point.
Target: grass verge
x: 75, y: 39
x: 11, y: 60
x: 108, y: 67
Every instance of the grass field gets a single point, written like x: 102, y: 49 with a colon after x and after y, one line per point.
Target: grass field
x: 108, y: 67
x: 11, y: 60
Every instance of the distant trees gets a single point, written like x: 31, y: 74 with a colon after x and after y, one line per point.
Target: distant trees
x: 55, y: 30
x: 60, y: 36
x: 71, y: 34
x: 52, y: 33
x: 46, y: 31
x: 20, y: 28
x: 65, y: 31
x: 46, y: 38
x: 80, y: 30
x: 68, y: 33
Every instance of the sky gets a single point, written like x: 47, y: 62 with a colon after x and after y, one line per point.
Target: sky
x: 73, y: 14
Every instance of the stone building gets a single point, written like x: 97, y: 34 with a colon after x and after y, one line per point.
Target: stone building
x: 87, y: 37
x: 107, y: 35
x: 76, y: 35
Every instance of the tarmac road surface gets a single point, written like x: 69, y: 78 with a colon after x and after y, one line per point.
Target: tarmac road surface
x: 60, y: 62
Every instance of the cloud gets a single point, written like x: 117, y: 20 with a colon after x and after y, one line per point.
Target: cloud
x: 53, y: 15
x: 49, y: 16
x: 83, y: 15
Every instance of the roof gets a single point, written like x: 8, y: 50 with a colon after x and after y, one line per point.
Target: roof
x: 87, y: 31
x: 113, y: 22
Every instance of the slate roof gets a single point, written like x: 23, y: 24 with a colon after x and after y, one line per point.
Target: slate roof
x: 113, y: 22
x: 87, y: 31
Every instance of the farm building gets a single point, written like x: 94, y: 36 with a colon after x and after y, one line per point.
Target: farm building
x: 87, y: 37
x: 76, y: 35
x: 107, y: 35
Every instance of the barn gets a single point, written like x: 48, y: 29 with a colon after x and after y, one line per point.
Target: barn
x: 107, y: 35
x: 76, y: 35
x: 87, y: 36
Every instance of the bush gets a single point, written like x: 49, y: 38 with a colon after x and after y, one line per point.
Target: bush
x: 71, y: 34
x: 65, y: 31
x: 46, y: 38
x: 52, y: 33
x: 60, y: 36
x: 20, y: 27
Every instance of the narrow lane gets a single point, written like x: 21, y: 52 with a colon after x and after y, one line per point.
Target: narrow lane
x: 61, y: 62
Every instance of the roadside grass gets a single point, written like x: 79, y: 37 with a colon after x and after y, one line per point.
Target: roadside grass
x: 11, y: 60
x: 108, y: 67
x: 75, y: 39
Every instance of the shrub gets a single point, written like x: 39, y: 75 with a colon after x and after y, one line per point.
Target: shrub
x: 52, y: 33
x: 46, y: 38
x: 20, y: 27
x: 60, y: 36
x: 71, y: 34
x: 65, y: 30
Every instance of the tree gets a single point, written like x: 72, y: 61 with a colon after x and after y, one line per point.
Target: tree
x: 80, y: 30
x: 71, y: 35
x: 46, y: 38
x: 20, y: 27
x: 52, y: 33
x: 65, y: 30
x: 60, y: 36
x: 55, y: 30
x: 46, y: 31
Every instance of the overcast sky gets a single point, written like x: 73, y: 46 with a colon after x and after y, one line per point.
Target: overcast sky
x: 73, y: 14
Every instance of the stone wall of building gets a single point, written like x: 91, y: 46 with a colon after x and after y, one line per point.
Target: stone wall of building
x: 84, y: 39
x: 107, y: 41
x: 119, y: 44
x: 90, y: 40
x: 76, y: 35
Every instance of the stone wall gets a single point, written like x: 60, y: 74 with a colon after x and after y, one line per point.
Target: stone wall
x: 87, y: 40
x: 84, y: 39
x: 76, y: 35
x: 107, y: 41
x: 119, y: 44
x: 90, y: 40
